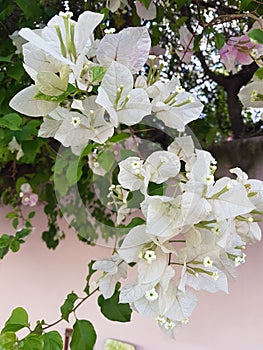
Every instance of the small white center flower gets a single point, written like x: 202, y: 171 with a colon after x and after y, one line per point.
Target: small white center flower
x: 240, y: 259
x: 149, y: 256
x: 254, y: 52
x: 151, y: 295
x: 207, y: 262
x: 210, y: 179
x: 109, y: 30
x: 169, y: 325
x: 179, y: 89
x: 229, y: 186
x: 136, y: 166
x: 75, y: 121
x: 185, y: 321
x: 161, y: 320
x: 253, y: 96
x: 215, y: 276
x: 66, y: 15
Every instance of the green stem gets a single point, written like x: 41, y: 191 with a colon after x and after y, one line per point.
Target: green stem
x: 73, y: 310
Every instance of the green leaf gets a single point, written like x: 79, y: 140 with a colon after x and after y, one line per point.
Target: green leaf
x: 31, y: 149
x: 119, y: 137
x: 23, y: 233
x: 181, y: 3
x: 7, y: 341
x: 244, y: 4
x: 197, y: 40
x: 114, y: 311
x: 11, y: 215
x: 50, y: 236
x: 91, y: 272
x: 16, y: 71
x: 134, y: 222
x: 125, y: 153
x: 12, y: 121
x: 52, y: 341
x: 259, y: 73
x: 74, y: 172
x: 106, y: 160
x: 30, y: 8
x: 32, y: 342
x: 15, y: 223
x: 6, y: 58
x: 61, y: 185
x: 58, y: 99
x: 156, y: 189
x: 97, y: 73
x: 83, y: 336
x: 68, y: 305
x: 257, y: 35
x: 219, y: 40
x: 14, y: 246
x: 17, y: 321
x: 31, y: 214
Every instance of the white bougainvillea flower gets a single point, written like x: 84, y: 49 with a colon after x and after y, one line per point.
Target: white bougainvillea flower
x: 25, y: 102
x: 15, y: 146
x: 248, y: 230
x: 252, y: 94
x: 228, y: 199
x: 163, y: 216
x: 200, y: 170
x: 183, y: 147
x: 114, y: 5
x: 77, y: 128
x: 182, y: 307
x: 132, y: 174
x: 162, y: 165
x: 29, y: 101
x: 129, y: 47
x: 146, y: 13
x: 174, y: 106
x: 114, y: 269
x: 116, y: 94
x: 37, y: 60
x: 135, y: 174
x: 63, y: 38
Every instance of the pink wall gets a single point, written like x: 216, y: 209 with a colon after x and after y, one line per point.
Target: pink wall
x: 38, y: 280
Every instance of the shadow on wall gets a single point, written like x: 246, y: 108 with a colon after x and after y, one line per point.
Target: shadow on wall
x: 246, y: 154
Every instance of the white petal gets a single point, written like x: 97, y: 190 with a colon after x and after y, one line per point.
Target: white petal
x: 183, y: 147
x: 132, y: 244
x: 152, y: 273
x: 85, y: 26
x: 132, y: 292
x: 145, y: 13
x: 130, y: 47
x: 162, y: 165
x: 130, y: 177
x: 183, y: 306
x: 205, y: 282
x: 49, y: 127
x: 25, y: 103
x: 117, y: 75
x: 138, y: 107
